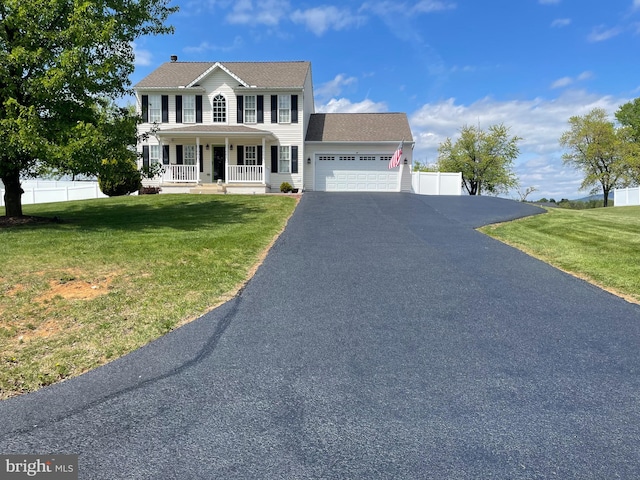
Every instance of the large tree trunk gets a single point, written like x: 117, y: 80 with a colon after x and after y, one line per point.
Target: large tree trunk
x: 12, y: 194
x: 606, y: 197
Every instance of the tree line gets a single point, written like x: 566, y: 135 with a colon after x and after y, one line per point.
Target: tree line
x: 607, y: 153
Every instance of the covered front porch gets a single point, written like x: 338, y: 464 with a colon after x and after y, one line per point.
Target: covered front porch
x: 228, y: 157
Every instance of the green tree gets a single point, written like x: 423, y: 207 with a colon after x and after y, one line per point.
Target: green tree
x: 485, y: 159
x: 598, y: 149
x: 629, y: 116
x: 58, y: 59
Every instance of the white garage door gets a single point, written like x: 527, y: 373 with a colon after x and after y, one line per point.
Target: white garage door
x: 356, y: 173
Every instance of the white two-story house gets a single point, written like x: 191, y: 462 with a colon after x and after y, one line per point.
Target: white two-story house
x: 249, y: 126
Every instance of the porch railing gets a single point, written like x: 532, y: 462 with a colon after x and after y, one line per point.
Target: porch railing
x: 245, y: 174
x: 181, y: 174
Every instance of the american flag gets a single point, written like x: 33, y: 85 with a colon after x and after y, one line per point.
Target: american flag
x: 395, y: 160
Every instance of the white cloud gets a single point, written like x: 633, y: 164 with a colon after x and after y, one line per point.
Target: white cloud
x: 334, y: 87
x: 636, y: 4
x: 344, y: 105
x: 320, y: 19
x: 206, y: 47
x: 539, y: 122
x: 143, y: 58
x: 601, y: 33
x: 263, y: 12
x: 561, y: 22
x: 566, y: 81
x: 389, y: 10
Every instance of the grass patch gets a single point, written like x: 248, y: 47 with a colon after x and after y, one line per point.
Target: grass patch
x: 601, y: 245
x: 116, y: 273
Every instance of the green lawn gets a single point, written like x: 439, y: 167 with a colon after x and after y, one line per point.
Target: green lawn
x: 600, y: 245
x: 117, y: 273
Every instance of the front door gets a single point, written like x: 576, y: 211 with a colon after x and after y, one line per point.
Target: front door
x: 218, y: 164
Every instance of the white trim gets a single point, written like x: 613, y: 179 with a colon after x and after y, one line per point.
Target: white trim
x: 211, y: 69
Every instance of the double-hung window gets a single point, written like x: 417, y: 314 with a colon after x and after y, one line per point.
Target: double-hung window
x: 250, y: 155
x: 189, y: 109
x: 155, y: 108
x: 189, y: 154
x: 154, y: 154
x: 250, y: 109
x: 284, y: 108
x: 284, y: 159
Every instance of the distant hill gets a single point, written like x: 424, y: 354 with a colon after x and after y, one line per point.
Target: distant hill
x: 599, y: 196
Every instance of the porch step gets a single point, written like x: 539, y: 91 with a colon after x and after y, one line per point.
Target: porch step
x: 209, y: 189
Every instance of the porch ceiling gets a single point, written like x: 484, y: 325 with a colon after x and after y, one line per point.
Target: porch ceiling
x: 216, y: 130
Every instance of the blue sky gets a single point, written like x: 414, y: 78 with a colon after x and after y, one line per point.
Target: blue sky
x: 530, y: 64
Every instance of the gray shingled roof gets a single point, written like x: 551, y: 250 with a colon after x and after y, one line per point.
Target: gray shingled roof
x: 358, y: 127
x: 255, y: 74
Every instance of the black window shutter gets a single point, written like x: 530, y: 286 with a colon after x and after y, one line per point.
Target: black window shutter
x: 294, y: 108
x: 240, y: 150
x: 274, y: 109
x: 179, y: 160
x: 201, y: 152
x: 274, y: 159
x: 145, y: 108
x: 260, y: 108
x: 165, y: 154
x: 294, y: 159
x: 199, y: 109
x: 145, y: 156
x: 165, y: 108
x: 240, y: 109
x: 178, y: 108
x: 259, y: 159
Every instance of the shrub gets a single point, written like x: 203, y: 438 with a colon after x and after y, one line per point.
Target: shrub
x: 119, y: 177
x: 285, y: 187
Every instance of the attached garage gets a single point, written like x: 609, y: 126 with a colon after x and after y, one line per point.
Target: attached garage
x: 350, y: 152
x: 355, y: 173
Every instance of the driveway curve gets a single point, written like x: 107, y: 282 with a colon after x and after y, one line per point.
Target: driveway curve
x: 383, y: 337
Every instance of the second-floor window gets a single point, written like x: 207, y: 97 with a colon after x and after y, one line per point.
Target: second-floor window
x: 189, y: 108
x: 250, y: 109
x: 284, y: 108
x: 155, y: 108
x: 219, y: 109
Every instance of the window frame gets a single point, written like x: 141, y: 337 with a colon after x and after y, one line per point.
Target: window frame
x: 186, y: 155
x: 155, y: 154
x: 219, y: 109
x: 284, y: 159
x: 284, y: 109
x: 188, y: 109
x: 250, y: 113
x: 155, y: 108
x: 251, y: 155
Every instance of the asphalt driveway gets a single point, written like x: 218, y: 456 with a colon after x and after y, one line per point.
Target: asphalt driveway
x: 383, y: 337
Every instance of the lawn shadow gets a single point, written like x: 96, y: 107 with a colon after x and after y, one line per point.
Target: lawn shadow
x: 145, y: 213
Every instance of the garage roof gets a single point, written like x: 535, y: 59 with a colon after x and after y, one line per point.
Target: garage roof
x: 359, y: 127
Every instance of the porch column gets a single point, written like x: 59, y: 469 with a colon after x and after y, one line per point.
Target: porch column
x: 264, y: 164
x: 226, y: 159
x: 198, y: 160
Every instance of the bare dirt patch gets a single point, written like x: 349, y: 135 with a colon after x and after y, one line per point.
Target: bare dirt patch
x: 76, y: 289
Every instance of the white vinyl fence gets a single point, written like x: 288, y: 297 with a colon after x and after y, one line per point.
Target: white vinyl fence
x: 625, y: 197
x: 436, y: 183
x: 47, y: 191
